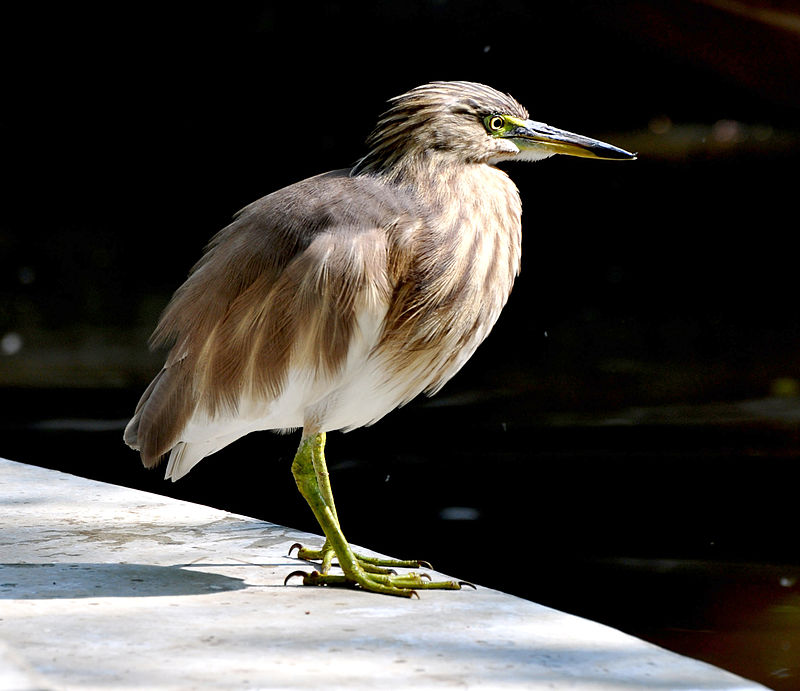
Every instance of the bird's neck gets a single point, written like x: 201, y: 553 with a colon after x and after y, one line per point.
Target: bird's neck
x: 459, y: 193
x: 472, y: 215
x: 415, y: 170
x: 465, y: 205
x: 442, y: 183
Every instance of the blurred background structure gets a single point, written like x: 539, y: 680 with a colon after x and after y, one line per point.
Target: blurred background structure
x: 625, y: 443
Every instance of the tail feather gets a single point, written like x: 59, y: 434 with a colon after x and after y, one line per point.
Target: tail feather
x: 160, y: 420
x: 185, y: 456
x: 161, y: 415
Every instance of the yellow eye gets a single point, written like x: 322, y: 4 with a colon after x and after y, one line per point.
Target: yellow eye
x: 495, y: 123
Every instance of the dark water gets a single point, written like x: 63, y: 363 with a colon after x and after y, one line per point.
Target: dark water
x: 682, y: 534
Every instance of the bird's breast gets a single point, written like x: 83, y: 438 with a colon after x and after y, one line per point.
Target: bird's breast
x: 464, y: 260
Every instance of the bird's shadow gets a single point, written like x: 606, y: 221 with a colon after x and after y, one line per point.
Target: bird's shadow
x: 91, y: 580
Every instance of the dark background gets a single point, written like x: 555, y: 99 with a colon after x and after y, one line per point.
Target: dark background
x: 624, y: 446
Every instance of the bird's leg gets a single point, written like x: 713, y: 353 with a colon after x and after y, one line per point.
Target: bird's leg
x: 326, y: 553
x: 317, y: 451
x: 311, y: 475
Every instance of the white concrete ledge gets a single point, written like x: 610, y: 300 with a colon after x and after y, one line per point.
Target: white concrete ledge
x: 103, y: 587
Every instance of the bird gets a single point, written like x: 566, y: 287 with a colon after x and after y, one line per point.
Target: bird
x: 330, y: 302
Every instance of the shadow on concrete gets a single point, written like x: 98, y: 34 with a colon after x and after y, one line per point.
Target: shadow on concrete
x: 70, y: 580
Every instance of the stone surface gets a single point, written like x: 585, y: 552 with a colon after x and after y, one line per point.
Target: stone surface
x: 106, y: 587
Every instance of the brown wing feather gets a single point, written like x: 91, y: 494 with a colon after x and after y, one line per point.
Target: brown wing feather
x: 281, y: 285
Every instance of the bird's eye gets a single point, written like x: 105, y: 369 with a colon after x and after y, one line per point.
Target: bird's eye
x: 495, y: 123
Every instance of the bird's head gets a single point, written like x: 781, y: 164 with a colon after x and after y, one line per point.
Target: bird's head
x: 469, y: 122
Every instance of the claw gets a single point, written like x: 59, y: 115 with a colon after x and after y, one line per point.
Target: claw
x: 303, y: 574
x: 382, y: 579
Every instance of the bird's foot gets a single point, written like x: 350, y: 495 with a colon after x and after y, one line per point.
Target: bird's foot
x: 326, y: 554
x: 405, y: 585
x: 372, y: 574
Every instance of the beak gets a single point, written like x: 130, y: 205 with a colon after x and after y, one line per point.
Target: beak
x: 537, y: 135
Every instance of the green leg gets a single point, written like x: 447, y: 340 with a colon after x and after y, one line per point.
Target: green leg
x: 311, y: 474
x: 326, y: 553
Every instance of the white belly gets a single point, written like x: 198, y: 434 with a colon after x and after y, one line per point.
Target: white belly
x: 361, y: 392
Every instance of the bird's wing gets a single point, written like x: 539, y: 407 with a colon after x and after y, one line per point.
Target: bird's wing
x: 281, y: 286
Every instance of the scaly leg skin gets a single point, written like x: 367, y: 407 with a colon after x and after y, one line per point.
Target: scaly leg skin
x: 311, y: 474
